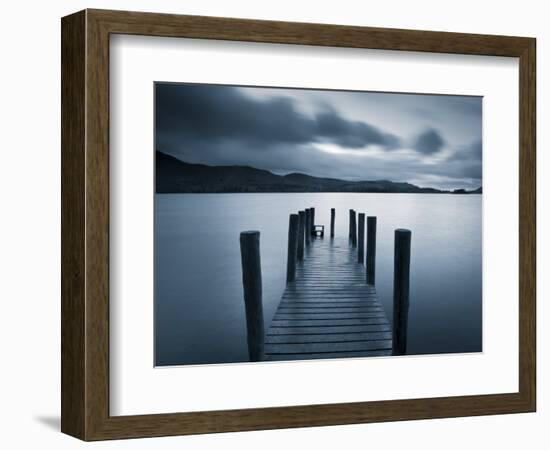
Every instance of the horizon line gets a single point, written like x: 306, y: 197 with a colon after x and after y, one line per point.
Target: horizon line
x: 480, y: 186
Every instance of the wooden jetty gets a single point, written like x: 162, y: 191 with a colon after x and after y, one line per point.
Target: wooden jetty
x: 328, y: 311
x: 330, y: 307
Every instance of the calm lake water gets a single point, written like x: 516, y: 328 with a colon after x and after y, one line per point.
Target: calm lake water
x: 199, y: 308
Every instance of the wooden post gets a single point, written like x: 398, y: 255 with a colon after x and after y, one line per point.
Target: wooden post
x: 401, y: 273
x: 252, y: 287
x: 301, y: 232
x: 292, y: 247
x: 371, y: 249
x: 361, y: 239
x: 308, y: 226
x: 332, y: 218
x: 353, y: 228
x: 350, y: 219
x: 312, y: 221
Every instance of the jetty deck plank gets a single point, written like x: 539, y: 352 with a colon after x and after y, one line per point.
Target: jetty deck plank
x: 328, y: 311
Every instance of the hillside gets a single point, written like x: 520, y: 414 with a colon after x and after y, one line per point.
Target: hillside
x: 174, y: 175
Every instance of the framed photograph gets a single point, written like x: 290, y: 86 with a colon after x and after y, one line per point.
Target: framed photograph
x: 272, y: 225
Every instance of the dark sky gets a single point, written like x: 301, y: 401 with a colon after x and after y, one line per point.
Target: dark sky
x: 428, y: 140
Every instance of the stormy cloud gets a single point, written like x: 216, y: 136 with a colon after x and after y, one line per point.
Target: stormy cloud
x: 426, y: 139
x: 224, y: 112
x: 429, y: 142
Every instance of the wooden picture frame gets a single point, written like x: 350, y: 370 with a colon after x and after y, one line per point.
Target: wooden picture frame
x: 85, y: 224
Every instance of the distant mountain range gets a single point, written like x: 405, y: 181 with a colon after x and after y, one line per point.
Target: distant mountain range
x: 176, y: 176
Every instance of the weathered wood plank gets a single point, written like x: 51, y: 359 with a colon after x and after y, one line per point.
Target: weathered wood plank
x: 338, y: 301
x: 328, y: 310
x: 299, y: 356
x: 329, y: 294
x: 328, y: 329
x: 321, y: 286
x: 315, y: 323
x: 335, y: 290
x: 335, y: 293
x: 329, y: 303
x: 334, y: 285
x: 326, y: 338
x: 328, y: 347
x: 357, y: 279
x: 321, y: 291
x: 328, y: 315
x: 327, y: 298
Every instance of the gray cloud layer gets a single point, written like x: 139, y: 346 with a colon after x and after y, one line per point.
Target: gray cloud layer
x: 198, y: 112
x: 429, y: 142
x: 223, y: 125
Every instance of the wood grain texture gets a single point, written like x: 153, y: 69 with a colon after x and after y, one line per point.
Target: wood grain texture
x: 252, y: 293
x: 322, y: 304
x: 401, y: 278
x: 73, y: 225
x: 371, y: 249
x: 361, y: 238
x: 267, y: 31
x: 332, y: 221
x: 527, y: 224
x: 85, y: 224
x: 292, y: 251
x: 97, y: 225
